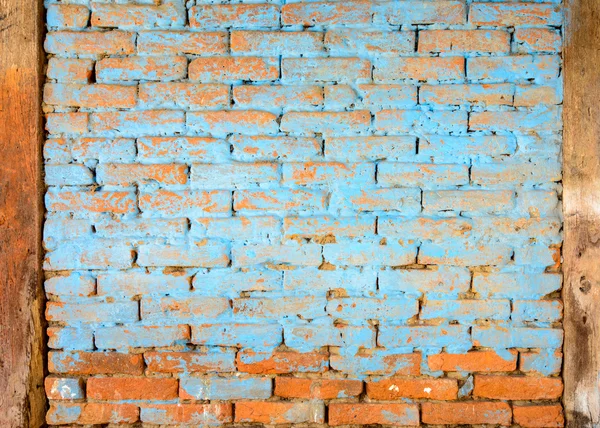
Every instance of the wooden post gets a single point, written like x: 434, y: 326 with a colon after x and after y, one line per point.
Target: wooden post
x: 22, y: 400
x: 582, y: 214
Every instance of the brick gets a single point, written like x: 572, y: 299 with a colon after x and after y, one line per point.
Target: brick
x: 515, y: 14
x: 132, y: 388
x: 344, y: 42
x: 251, y: 228
x: 91, y: 363
x: 415, y: 121
x: 248, y: 16
x: 281, y: 362
x: 445, y: 280
x: 256, y: 336
x: 324, y: 389
x: 61, y: 230
x: 127, y: 174
x: 466, y: 310
x: 384, y: 96
x: 275, y: 43
x: 222, y: 123
x: 73, y: 284
x: 200, y: 254
x: 437, y: 230
x: 91, y: 96
x: 390, y: 254
x: 326, y: 173
x: 464, y: 41
x: 140, y: 336
x: 327, y: 123
x: 69, y: 339
x: 544, y: 311
x: 490, y: 94
x: 395, y: 389
x: 475, y: 412
x: 468, y: 202
x: 421, y: 175
x: 528, y: 40
x: 325, y: 13
x: 68, y: 175
x: 420, y: 12
x: 67, y: 16
x: 442, y: 147
x: 186, y: 307
x: 233, y: 69
x: 233, y: 176
x: 70, y: 70
x: 378, y: 363
x: 313, y: 336
x: 103, y: 149
x: 295, y: 228
x: 510, y: 174
x: 347, y: 282
x: 266, y: 148
x: 521, y: 68
x: 471, y: 254
x: 285, y: 307
x: 477, y: 361
x: 182, y: 149
x: 550, y: 415
x: 231, y: 283
x: 133, y: 123
x: 141, y: 68
x: 515, y: 286
x: 217, y: 388
x: 212, y: 360
x: 279, y: 200
x: 90, y: 43
x: 372, y: 413
x: 173, y: 204
x: 517, y: 337
x: 324, y: 69
x: 302, y: 255
x: 119, y: 312
x: 184, y: 95
x: 57, y: 151
x: 418, y: 69
x: 97, y: 254
x: 534, y: 95
x: 517, y: 387
x: 405, y: 201
x: 182, y: 42
x: 64, y: 388
x: 145, y: 228
x: 426, y: 336
x: 67, y: 123
x: 165, y: 15
x: 209, y: 414
x: 366, y: 308
x: 279, y: 412
x: 92, y: 413
x: 356, y: 149
x: 279, y: 97
x: 545, y: 362
x: 517, y: 121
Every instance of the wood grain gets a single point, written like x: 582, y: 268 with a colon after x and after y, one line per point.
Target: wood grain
x: 582, y: 214
x: 22, y: 402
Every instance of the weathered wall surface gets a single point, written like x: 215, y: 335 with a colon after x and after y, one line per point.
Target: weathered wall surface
x: 314, y: 212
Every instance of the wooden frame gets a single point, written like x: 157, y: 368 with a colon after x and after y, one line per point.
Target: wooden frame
x: 22, y: 403
x: 21, y: 214
x: 581, y: 185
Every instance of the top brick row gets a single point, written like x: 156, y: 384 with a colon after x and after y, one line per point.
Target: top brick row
x: 173, y: 14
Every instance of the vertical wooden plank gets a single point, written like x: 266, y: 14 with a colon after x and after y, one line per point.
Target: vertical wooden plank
x: 582, y: 214
x: 22, y: 402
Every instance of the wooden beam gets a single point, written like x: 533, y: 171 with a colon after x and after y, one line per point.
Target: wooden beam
x: 22, y: 400
x: 581, y: 201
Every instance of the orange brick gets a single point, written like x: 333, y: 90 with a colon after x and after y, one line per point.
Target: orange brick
x: 89, y: 363
x: 227, y: 69
x: 464, y: 41
x: 268, y: 97
x: 419, y: 69
x: 324, y: 389
x: 175, y: 362
x: 517, y: 387
x: 137, y: 15
x: 132, y: 388
x: 279, y: 412
x: 182, y: 42
x: 394, y: 389
x: 234, y: 16
x: 92, y: 413
x: 94, y: 202
x: 515, y: 14
x: 320, y: 13
x: 539, y: 416
x: 133, y: 68
x: 280, y: 362
x: 483, y: 361
x: 168, y: 414
x: 368, y: 413
x: 468, y: 413
x: 77, y: 95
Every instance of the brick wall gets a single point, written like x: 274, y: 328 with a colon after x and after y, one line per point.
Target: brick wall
x: 313, y: 212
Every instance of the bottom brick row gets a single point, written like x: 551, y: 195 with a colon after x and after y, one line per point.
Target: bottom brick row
x: 273, y: 412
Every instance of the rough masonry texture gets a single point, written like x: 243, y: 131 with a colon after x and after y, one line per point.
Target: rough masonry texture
x: 330, y: 213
